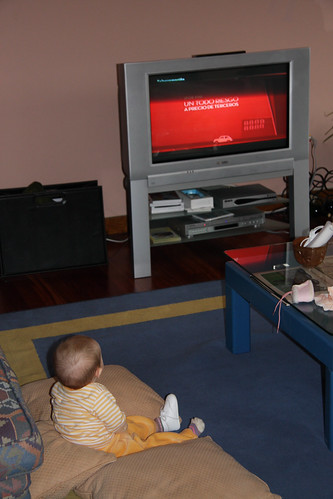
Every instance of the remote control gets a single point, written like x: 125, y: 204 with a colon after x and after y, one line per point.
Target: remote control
x: 312, y: 235
x: 322, y: 237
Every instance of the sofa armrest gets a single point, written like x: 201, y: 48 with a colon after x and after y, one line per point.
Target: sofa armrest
x: 21, y: 447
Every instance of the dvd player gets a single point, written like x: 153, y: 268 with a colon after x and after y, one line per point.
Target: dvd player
x: 233, y: 196
x: 240, y: 218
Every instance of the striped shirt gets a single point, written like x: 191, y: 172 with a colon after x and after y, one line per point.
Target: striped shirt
x: 87, y: 416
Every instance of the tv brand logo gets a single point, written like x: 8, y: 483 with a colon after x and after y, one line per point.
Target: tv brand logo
x: 169, y: 80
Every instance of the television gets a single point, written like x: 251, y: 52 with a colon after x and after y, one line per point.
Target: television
x: 213, y: 120
x: 232, y: 117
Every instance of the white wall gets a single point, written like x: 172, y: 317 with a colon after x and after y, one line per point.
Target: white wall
x: 58, y: 91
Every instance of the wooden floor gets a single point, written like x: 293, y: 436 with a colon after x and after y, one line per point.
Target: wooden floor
x: 172, y: 265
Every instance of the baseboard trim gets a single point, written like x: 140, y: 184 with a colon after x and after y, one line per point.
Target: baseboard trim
x: 116, y: 225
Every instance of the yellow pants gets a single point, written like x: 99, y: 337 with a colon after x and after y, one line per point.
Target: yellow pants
x: 141, y: 434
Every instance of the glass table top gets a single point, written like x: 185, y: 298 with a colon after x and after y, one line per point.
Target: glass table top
x: 275, y: 268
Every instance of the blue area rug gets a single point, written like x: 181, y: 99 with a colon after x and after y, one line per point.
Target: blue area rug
x: 264, y: 407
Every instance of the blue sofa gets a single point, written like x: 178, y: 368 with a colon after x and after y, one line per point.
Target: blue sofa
x: 21, y: 447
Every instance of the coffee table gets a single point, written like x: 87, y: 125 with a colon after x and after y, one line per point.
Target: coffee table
x: 258, y: 277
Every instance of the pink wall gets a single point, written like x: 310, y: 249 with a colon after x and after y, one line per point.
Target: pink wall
x: 58, y: 93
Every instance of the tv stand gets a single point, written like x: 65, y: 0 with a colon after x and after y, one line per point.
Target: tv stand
x: 139, y: 218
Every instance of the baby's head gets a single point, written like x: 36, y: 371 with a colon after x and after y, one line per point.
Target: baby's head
x: 78, y: 361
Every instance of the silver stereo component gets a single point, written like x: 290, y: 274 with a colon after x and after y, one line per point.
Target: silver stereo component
x: 242, y: 217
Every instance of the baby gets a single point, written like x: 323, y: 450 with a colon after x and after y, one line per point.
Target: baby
x: 86, y: 413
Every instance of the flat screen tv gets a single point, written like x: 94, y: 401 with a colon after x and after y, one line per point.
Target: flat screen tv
x: 233, y: 117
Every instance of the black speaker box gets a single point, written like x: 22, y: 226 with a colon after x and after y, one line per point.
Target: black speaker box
x: 51, y: 227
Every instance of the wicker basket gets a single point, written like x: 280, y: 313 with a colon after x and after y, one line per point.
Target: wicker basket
x: 308, y: 257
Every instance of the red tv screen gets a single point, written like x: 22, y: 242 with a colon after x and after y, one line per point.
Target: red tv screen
x: 214, y: 112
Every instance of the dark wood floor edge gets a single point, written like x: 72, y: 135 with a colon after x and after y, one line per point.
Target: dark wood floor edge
x: 116, y: 225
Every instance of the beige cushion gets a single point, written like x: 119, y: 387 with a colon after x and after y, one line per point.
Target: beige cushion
x: 37, y: 397
x: 195, y: 469
x: 65, y: 465
x: 191, y: 470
